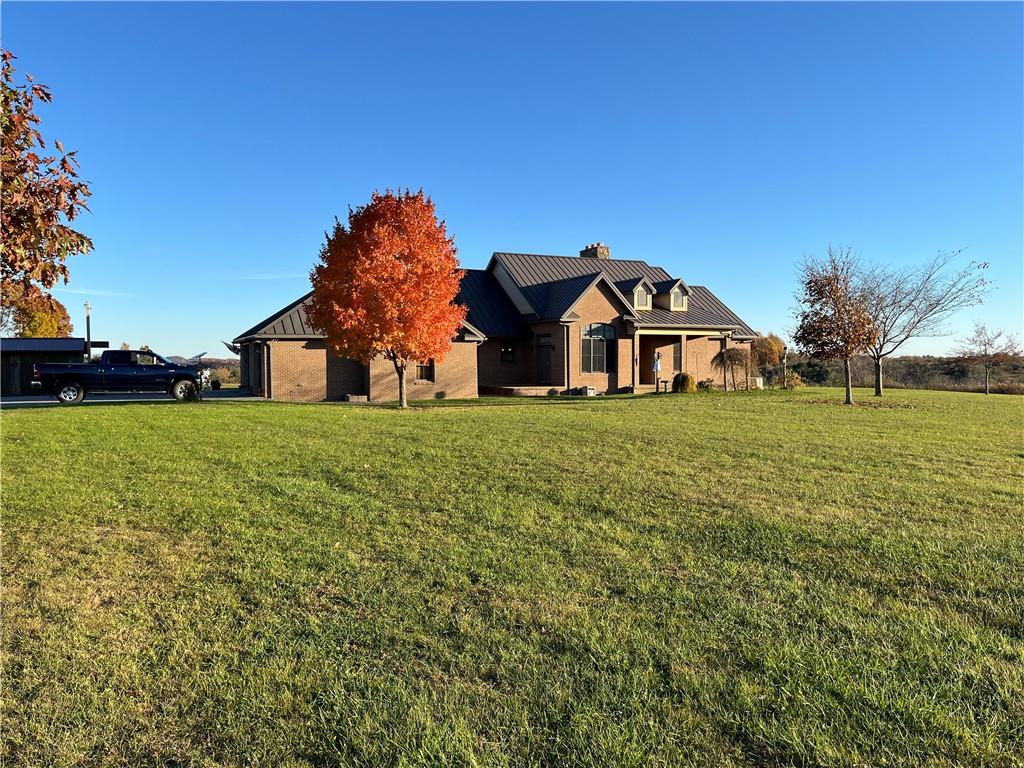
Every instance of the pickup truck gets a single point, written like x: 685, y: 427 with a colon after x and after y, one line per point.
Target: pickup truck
x: 119, y: 370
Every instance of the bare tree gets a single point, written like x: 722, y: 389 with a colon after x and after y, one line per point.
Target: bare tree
x: 833, y: 322
x: 913, y: 303
x: 989, y: 349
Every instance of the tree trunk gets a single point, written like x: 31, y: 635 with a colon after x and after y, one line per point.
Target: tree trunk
x: 849, y: 381
x: 878, y: 377
x: 733, y: 369
x: 725, y: 376
x: 400, y: 370
x: 988, y: 372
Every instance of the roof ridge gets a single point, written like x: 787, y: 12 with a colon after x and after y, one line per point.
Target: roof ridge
x: 574, y: 258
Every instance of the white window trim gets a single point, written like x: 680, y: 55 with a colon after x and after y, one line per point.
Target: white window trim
x: 636, y: 295
x: 678, y: 306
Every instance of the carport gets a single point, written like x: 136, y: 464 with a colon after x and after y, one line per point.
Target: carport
x: 18, y: 355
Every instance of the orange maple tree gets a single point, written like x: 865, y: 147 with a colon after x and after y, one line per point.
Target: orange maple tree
x: 386, y: 284
x: 40, y: 194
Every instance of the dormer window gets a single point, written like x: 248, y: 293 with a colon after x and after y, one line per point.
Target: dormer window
x: 678, y: 300
x: 641, y: 297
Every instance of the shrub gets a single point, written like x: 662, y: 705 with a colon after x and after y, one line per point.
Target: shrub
x: 684, y: 382
x: 793, y: 380
x: 706, y: 385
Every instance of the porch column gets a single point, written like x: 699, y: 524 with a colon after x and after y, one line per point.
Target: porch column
x: 635, y: 362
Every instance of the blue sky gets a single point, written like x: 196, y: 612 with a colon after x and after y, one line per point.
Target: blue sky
x: 723, y: 142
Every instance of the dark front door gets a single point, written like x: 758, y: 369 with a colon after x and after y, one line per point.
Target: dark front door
x: 544, y: 352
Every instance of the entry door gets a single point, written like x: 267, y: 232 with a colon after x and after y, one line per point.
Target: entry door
x: 544, y: 352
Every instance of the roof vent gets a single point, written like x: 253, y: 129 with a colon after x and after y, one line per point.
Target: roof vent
x: 596, y: 251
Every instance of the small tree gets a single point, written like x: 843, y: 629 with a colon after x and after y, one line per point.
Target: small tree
x: 386, y: 285
x: 31, y: 312
x: 727, y: 361
x: 833, y: 323
x: 913, y: 303
x: 766, y: 352
x: 39, y: 196
x: 989, y: 349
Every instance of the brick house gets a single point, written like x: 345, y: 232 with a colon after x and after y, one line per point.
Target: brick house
x: 535, y: 325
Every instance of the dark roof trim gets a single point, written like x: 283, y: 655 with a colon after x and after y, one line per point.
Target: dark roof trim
x: 255, y: 331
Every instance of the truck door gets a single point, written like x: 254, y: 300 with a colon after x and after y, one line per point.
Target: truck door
x: 152, y: 373
x: 117, y: 370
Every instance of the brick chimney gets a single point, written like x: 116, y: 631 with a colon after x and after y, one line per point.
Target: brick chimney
x: 596, y: 251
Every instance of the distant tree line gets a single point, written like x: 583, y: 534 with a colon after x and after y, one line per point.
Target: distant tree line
x: 910, y: 372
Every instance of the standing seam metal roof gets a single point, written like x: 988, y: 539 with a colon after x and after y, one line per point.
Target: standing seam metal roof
x: 490, y: 311
x: 537, y: 275
x: 533, y: 269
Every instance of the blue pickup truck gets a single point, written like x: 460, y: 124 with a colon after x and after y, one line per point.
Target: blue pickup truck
x: 119, y: 370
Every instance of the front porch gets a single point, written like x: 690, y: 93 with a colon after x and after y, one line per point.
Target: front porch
x: 678, y: 350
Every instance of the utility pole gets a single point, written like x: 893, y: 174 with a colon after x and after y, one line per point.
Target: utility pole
x: 88, y: 334
x: 785, y: 350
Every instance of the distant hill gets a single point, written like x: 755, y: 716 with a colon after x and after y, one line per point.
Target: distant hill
x: 212, y: 362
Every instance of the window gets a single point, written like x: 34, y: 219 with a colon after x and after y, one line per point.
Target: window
x: 678, y: 299
x: 641, y: 297
x: 119, y: 357
x: 677, y: 356
x: 425, y: 370
x: 149, y: 358
x: 508, y: 352
x: 598, y: 352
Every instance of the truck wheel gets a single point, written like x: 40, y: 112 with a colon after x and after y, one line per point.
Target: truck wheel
x: 183, y: 390
x: 70, y: 393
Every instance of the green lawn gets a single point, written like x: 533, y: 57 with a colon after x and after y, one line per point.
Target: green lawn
x: 762, y: 579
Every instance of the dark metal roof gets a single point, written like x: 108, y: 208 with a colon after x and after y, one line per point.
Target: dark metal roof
x: 67, y: 344
x: 537, y: 275
x: 532, y: 269
x: 667, y: 285
x: 627, y: 286
x: 552, y: 285
x: 490, y: 309
x: 290, y: 322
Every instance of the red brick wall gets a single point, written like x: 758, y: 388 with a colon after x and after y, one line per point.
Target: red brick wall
x: 304, y: 371
x: 495, y: 373
x: 699, y: 352
x: 599, y: 305
x: 454, y: 377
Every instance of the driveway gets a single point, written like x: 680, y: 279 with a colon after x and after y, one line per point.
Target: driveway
x: 49, y: 401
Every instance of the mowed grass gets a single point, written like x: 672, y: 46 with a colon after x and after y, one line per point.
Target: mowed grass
x: 742, y: 579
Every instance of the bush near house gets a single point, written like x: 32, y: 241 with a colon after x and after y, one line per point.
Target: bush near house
x: 761, y: 578
x: 684, y: 382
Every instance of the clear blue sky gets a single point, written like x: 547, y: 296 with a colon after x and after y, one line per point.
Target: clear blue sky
x: 723, y: 142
